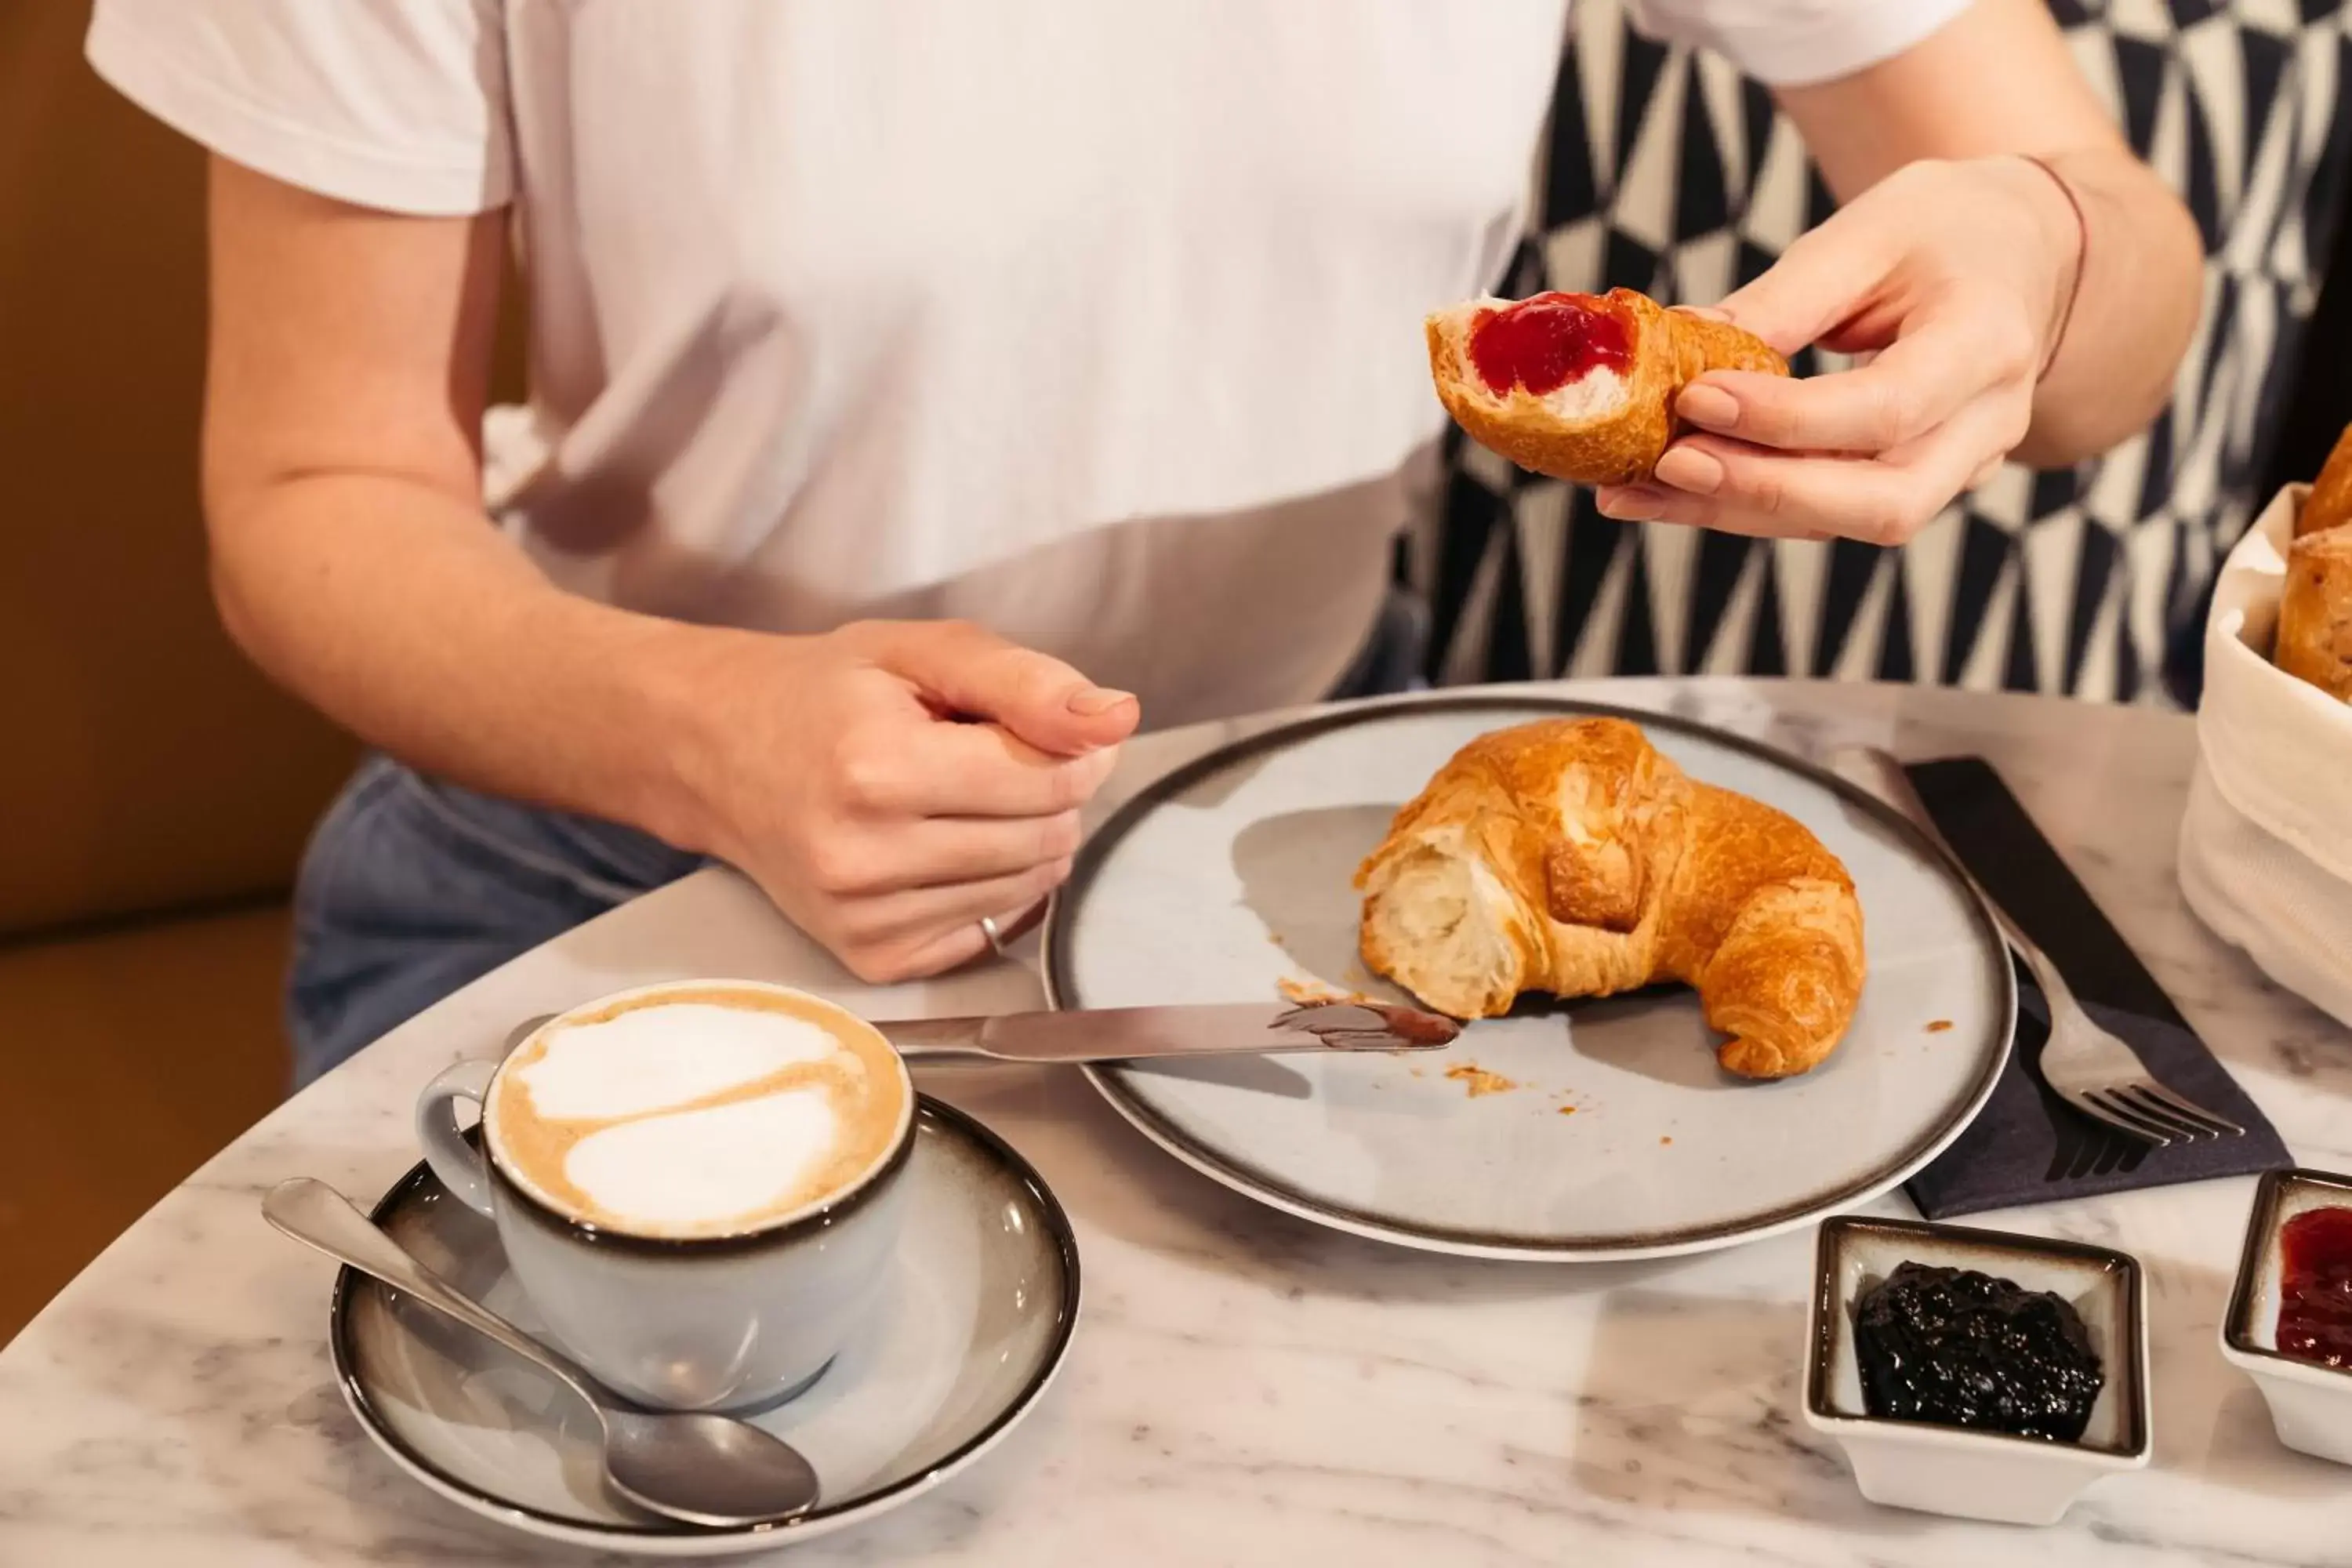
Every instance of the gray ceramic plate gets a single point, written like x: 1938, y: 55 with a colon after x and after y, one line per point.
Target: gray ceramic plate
x: 984, y: 1304
x: 1619, y: 1137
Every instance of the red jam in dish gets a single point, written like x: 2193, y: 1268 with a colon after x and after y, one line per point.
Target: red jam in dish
x: 1547, y: 341
x: 2314, y: 1321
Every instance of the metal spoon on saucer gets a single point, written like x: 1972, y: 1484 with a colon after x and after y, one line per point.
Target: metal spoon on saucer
x: 695, y: 1467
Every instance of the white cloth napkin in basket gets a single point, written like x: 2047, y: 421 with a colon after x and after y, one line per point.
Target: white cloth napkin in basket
x: 2266, y: 843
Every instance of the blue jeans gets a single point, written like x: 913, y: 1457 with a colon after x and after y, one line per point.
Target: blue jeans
x: 412, y: 886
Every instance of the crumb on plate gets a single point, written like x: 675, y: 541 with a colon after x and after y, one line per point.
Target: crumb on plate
x: 1313, y: 992
x: 1479, y: 1080
x: 1939, y: 1026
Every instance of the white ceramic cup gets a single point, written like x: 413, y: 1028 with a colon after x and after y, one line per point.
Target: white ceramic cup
x: 700, y: 1323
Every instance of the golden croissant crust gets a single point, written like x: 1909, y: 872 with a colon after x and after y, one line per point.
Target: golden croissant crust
x: 1607, y: 425
x: 1571, y: 857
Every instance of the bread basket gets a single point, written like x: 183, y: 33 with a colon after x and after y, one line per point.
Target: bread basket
x: 2267, y: 842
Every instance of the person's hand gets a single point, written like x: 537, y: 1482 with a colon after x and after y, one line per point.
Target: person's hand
x: 1953, y: 277
x: 889, y: 783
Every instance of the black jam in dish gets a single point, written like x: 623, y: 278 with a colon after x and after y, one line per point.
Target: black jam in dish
x: 2314, y: 1321
x: 1963, y: 1349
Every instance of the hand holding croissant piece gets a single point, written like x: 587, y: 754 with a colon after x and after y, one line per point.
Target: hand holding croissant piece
x: 1581, y: 386
x: 1570, y: 856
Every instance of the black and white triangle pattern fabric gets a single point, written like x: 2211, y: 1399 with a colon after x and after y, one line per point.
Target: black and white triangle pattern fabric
x: 1669, y: 172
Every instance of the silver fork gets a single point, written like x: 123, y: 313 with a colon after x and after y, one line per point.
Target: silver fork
x: 2088, y: 1067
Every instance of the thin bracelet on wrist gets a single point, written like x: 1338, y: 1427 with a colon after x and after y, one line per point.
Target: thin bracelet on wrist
x: 2082, y: 259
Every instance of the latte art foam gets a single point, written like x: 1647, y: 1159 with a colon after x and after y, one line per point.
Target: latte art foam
x: 696, y: 1111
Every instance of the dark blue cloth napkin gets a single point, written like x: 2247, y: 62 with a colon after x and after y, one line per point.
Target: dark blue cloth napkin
x: 2028, y: 1146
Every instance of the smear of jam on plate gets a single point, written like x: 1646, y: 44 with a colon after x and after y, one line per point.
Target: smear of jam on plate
x: 2314, y: 1321
x: 1964, y: 1349
x: 1547, y: 341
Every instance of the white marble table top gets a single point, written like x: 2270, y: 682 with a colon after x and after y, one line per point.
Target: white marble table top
x: 1245, y: 1388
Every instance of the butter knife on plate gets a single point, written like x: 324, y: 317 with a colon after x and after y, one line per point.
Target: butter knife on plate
x: 1136, y: 1033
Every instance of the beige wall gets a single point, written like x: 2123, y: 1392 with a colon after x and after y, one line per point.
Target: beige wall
x: 142, y: 763
x: 146, y: 764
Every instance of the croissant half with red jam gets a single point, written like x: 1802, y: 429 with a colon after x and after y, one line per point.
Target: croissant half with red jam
x: 1580, y: 387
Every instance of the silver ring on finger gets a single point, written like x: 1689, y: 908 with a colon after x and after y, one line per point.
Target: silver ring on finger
x: 988, y: 928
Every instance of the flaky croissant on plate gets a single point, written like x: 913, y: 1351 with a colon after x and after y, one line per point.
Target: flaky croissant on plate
x: 1580, y: 387
x: 1570, y: 856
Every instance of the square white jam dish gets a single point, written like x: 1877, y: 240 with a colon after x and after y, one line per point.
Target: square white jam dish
x: 2310, y: 1213
x: 1939, y: 1464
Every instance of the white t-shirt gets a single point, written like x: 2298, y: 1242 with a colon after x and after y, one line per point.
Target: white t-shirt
x: 1096, y: 323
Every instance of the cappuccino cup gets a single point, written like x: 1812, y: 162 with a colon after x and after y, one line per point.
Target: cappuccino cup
x: 696, y: 1184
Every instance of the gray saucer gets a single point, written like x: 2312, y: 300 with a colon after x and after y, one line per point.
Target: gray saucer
x: 972, y: 1331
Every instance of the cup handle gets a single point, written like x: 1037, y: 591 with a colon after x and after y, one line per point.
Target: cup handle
x: 454, y: 1161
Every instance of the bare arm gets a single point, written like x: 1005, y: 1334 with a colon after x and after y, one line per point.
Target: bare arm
x: 351, y: 559
x: 1999, y: 79
x: 350, y: 555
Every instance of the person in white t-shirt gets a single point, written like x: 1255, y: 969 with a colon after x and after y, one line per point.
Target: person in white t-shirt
x: 924, y: 393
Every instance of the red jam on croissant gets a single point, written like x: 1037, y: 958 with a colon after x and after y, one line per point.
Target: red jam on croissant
x: 1547, y: 341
